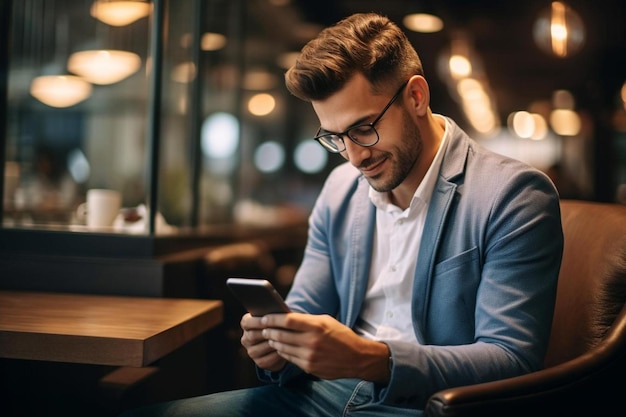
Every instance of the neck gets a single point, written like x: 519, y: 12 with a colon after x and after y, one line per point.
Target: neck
x: 432, y: 130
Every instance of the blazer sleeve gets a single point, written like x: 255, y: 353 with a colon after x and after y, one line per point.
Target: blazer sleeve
x: 315, y: 286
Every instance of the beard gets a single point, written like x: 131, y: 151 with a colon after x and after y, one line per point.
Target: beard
x: 403, y: 158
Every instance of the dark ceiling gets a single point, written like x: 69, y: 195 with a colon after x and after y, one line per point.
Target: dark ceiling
x: 518, y: 72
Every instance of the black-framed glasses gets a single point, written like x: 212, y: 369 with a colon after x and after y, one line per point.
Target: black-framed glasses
x: 363, y: 134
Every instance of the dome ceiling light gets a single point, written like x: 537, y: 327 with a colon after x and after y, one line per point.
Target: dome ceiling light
x: 102, y: 66
x: 60, y: 90
x: 120, y: 13
x: 423, y: 22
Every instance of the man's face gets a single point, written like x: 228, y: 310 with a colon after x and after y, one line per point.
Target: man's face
x: 389, y: 162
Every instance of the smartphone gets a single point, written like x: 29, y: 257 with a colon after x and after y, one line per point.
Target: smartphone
x: 258, y: 296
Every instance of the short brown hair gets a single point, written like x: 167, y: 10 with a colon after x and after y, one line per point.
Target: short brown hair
x: 364, y: 42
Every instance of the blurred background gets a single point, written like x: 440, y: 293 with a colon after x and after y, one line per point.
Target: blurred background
x: 181, y: 105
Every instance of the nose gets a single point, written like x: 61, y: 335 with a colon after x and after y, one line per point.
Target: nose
x: 355, y: 153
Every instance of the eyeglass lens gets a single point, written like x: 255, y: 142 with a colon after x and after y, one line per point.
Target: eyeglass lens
x: 364, y: 135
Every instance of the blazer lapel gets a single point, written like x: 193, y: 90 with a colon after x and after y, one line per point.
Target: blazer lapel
x: 362, y: 235
x: 440, y: 204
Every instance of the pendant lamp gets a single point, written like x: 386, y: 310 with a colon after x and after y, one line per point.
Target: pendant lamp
x: 559, y: 30
x: 60, y: 90
x: 422, y: 17
x: 104, y: 66
x: 54, y: 86
x: 120, y: 13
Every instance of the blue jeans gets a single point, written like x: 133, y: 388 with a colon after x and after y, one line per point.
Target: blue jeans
x: 304, y: 397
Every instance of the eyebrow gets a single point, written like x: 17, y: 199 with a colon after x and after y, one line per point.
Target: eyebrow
x: 358, y: 122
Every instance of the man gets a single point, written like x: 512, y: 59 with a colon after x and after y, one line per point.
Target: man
x: 431, y: 262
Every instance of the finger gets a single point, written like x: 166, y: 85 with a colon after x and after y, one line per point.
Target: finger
x: 301, y: 357
x: 291, y: 321
x: 252, y: 337
x: 266, y: 357
x: 275, y: 320
x: 260, y: 350
x: 248, y: 322
x: 284, y: 336
x: 288, y: 351
x: 285, y: 353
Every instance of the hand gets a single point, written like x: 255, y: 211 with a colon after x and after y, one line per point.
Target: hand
x: 257, y: 346
x: 322, y: 346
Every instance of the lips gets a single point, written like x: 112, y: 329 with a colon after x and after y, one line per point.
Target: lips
x: 372, y: 169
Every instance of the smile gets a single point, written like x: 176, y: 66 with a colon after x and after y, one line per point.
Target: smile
x: 373, y: 169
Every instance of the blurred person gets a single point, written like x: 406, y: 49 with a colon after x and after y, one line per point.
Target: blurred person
x: 430, y: 262
x: 48, y: 192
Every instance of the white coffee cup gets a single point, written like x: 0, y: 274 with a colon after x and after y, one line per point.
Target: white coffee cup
x: 101, y: 208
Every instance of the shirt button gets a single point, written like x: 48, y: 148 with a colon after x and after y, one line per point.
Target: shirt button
x: 389, y: 314
x: 393, y: 269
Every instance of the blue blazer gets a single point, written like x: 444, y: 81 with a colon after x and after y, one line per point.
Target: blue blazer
x: 485, y: 280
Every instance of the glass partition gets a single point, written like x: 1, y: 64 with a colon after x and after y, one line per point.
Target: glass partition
x: 174, y: 105
x: 77, y: 113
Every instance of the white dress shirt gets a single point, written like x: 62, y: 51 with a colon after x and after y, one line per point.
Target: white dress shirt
x: 386, y: 313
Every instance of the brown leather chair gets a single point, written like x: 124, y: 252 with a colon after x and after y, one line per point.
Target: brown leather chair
x: 585, y: 366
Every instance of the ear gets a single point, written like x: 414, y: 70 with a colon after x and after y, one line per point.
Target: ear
x: 420, y: 94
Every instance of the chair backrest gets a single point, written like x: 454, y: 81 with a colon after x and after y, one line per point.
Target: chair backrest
x: 592, y: 282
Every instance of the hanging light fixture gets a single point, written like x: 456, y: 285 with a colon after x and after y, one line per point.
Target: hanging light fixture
x: 460, y: 66
x: 559, y: 30
x: 104, y: 66
x: 120, y: 13
x: 55, y: 87
x: 422, y: 18
x: 101, y: 62
x: 564, y: 120
x: 213, y: 41
x: 459, y: 60
x: 210, y: 41
x: 423, y: 22
x: 60, y: 90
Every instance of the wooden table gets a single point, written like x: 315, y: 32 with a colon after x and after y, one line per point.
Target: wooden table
x: 101, y: 330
